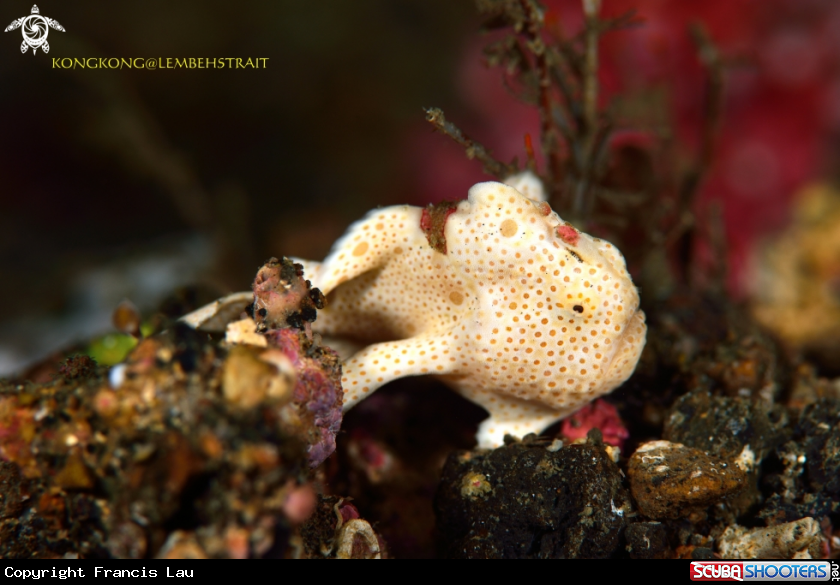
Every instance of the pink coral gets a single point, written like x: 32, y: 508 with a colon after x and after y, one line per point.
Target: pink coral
x: 317, y: 389
x: 597, y: 415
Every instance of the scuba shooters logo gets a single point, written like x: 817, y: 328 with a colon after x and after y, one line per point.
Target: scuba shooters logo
x: 35, y: 29
x: 758, y: 570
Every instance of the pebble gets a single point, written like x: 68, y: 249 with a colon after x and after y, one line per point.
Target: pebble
x: 791, y: 540
x: 531, y: 499
x: 725, y: 426
x: 670, y: 480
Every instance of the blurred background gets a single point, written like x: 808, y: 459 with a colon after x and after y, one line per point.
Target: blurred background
x: 133, y: 183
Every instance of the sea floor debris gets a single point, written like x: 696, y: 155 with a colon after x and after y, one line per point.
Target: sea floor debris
x: 199, y: 447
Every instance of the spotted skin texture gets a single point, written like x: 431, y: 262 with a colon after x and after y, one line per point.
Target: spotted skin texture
x: 526, y: 322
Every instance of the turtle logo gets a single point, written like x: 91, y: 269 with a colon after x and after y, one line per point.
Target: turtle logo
x: 35, y: 29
